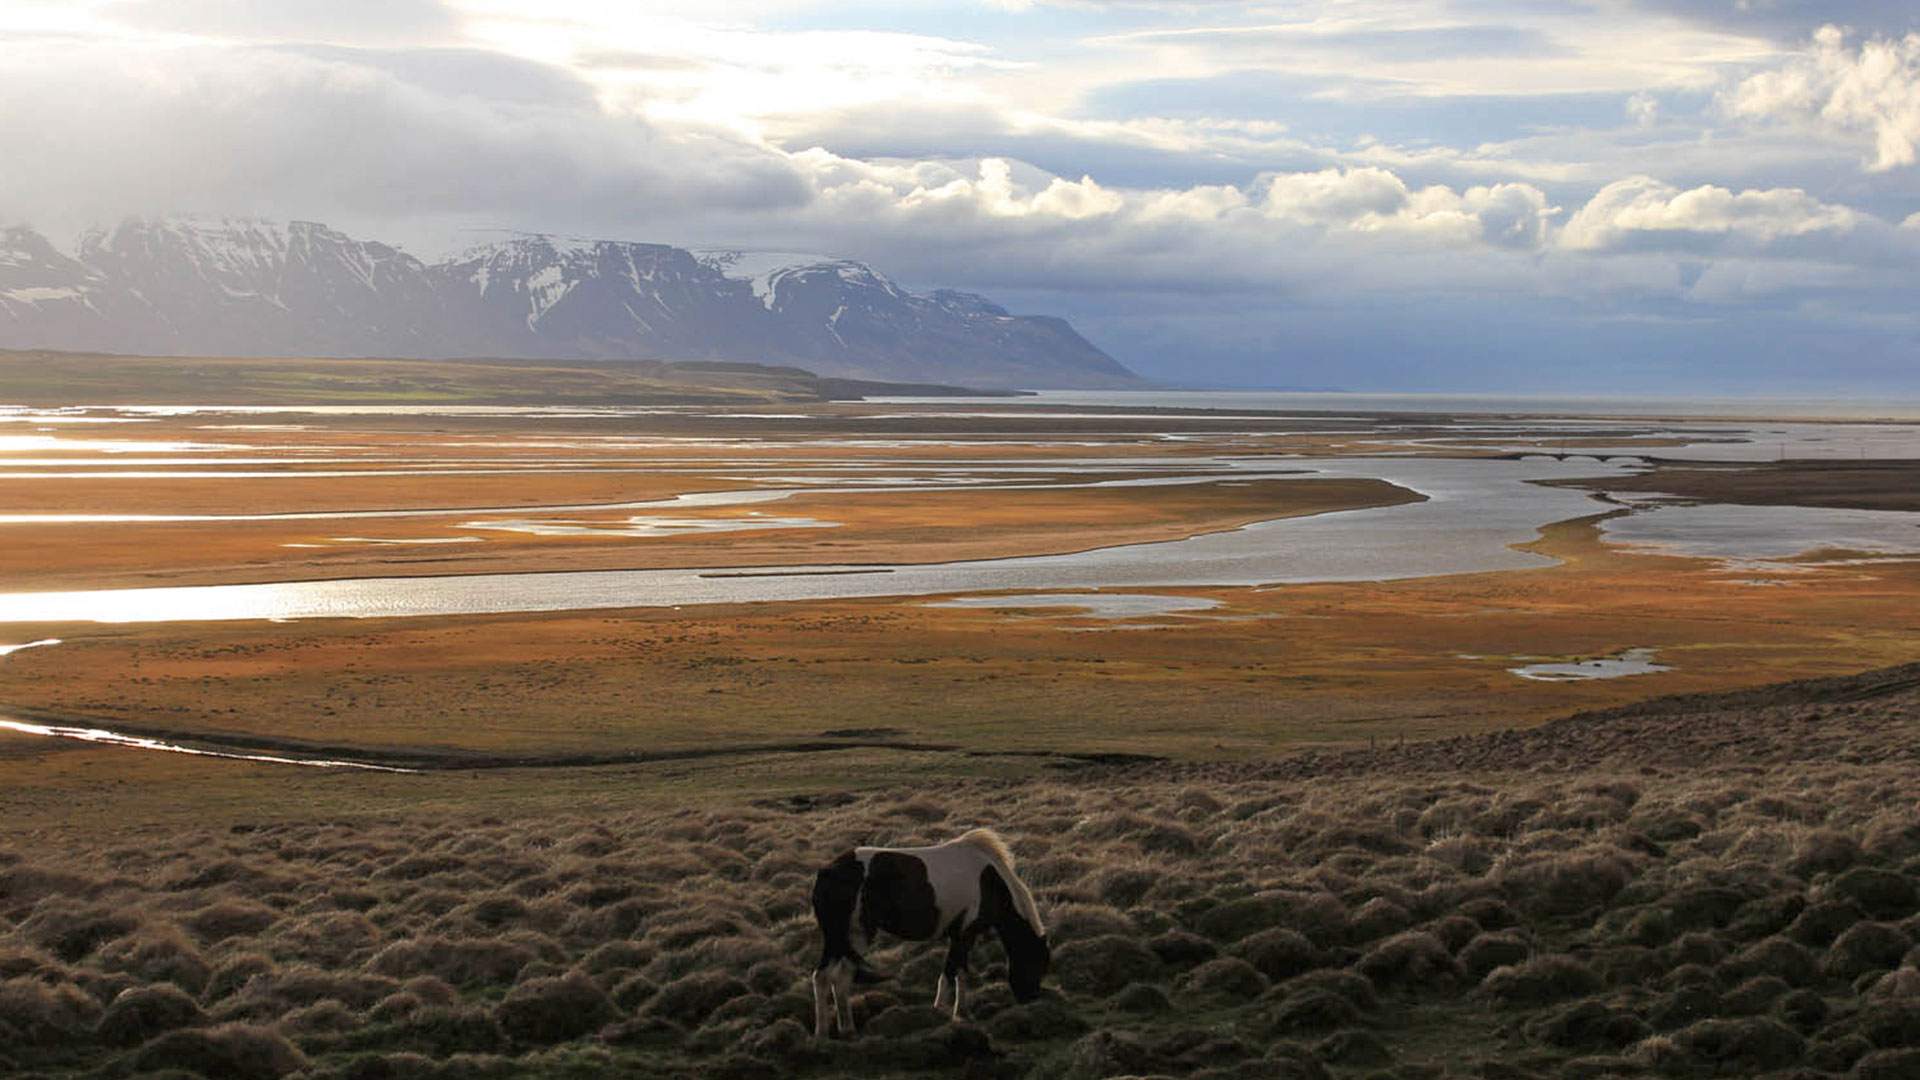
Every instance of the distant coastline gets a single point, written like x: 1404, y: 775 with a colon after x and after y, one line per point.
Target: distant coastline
x: 1470, y: 404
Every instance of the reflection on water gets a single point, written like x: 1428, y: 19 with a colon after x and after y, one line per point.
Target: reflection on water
x: 29, y: 444
x: 648, y: 526
x: 1753, y: 536
x: 7, y: 650
x: 1091, y: 605
x: 1630, y: 662
x: 396, y: 540
x: 136, y: 742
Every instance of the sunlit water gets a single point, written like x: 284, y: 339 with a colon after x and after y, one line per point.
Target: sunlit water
x: 136, y: 742
x: 645, y: 526
x: 1753, y: 535
x: 1091, y: 605
x: 1473, y: 512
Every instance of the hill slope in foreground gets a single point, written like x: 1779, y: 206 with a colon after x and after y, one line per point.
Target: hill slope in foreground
x: 1724, y: 885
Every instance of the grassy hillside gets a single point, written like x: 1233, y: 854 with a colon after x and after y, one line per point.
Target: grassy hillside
x: 1714, y: 886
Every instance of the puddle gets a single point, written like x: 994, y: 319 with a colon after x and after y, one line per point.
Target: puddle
x: 1091, y: 605
x: 1630, y: 662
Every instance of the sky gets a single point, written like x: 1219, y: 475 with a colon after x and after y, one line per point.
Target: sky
x: 1604, y: 196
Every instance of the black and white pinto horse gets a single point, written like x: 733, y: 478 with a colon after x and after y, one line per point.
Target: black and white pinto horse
x: 957, y: 890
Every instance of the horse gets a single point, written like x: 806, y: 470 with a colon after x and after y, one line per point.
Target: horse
x: 957, y: 890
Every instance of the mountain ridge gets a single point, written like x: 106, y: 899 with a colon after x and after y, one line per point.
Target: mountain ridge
x: 257, y: 288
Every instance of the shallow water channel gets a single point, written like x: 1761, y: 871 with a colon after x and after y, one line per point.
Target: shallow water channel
x: 1473, y: 512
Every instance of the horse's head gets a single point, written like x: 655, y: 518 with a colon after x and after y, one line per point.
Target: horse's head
x: 1027, y: 962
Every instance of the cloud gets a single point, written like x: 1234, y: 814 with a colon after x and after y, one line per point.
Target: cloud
x: 1262, y: 45
x: 1874, y: 89
x: 1374, y: 200
x: 1644, y: 108
x: 1358, y: 178
x: 276, y: 132
x: 1641, y: 213
x: 357, y: 21
x: 462, y: 72
x: 1791, y: 19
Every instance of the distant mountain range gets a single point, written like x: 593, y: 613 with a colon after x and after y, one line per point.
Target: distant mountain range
x: 251, y: 288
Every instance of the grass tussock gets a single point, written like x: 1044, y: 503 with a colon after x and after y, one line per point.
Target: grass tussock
x: 1212, y: 924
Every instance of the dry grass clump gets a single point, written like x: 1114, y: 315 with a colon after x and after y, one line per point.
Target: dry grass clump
x: 238, y: 1051
x: 229, y: 918
x: 155, y: 952
x: 33, y: 1013
x: 142, y: 1012
x: 1540, y: 979
x: 1279, y: 953
x: 552, y: 1010
x: 234, y: 971
x: 1228, y: 977
x: 1739, y: 1047
x: 1104, y: 965
x: 692, y: 998
x: 71, y: 930
x: 1414, y: 960
x: 461, y: 962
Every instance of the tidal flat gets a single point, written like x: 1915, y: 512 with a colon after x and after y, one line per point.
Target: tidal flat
x: 453, y: 587
x: 1354, y: 741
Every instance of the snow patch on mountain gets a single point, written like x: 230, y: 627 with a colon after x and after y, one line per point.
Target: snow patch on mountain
x: 760, y: 269
x: 34, y: 294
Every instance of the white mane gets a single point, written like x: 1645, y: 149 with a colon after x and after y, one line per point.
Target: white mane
x: 989, y: 842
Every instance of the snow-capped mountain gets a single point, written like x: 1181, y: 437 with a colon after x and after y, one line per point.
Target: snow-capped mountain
x: 251, y: 288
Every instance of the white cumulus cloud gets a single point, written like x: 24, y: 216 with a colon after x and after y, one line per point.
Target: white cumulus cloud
x: 1874, y: 90
x: 1641, y: 213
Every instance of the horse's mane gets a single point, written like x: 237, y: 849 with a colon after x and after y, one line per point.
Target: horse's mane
x: 996, y: 848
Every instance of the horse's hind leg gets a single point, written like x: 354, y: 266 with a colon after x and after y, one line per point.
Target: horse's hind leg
x: 823, y: 1010
x: 842, y: 977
